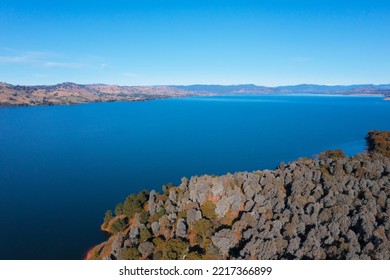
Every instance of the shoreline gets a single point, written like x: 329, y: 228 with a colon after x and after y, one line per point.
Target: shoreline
x: 22, y: 105
x: 233, y: 206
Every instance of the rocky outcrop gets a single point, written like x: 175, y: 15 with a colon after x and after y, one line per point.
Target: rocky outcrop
x: 330, y: 207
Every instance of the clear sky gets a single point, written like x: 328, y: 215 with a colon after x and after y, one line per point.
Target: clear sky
x: 146, y: 42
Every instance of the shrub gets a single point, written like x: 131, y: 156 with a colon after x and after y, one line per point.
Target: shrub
x: 107, y: 218
x: 203, y: 229
x: 145, y: 235
x: 143, y: 216
x: 333, y: 154
x: 96, y: 255
x: 135, y: 203
x: 119, y: 209
x: 378, y: 142
x: 117, y: 226
x: 208, y: 210
x: 172, y: 249
x: 156, y: 216
x: 166, y: 188
x: 132, y: 254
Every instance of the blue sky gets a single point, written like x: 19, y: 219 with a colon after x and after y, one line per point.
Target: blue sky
x: 186, y: 42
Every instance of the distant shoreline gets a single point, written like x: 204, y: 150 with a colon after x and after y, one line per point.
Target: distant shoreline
x: 71, y: 93
x: 195, y: 96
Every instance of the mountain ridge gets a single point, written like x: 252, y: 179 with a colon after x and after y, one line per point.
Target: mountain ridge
x: 72, y: 93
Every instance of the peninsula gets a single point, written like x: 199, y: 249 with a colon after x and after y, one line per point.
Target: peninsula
x: 328, y: 207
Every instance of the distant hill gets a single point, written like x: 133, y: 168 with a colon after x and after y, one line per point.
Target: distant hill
x: 71, y: 93
x: 303, y: 88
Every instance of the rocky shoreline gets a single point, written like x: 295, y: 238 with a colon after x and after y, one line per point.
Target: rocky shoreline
x: 329, y: 207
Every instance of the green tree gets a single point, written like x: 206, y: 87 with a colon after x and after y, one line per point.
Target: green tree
x: 132, y: 254
x: 143, y: 217
x: 117, y: 226
x: 134, y: 203
x: 107, y: 218
x: 208, y: 210
x: 119, y: 209
x: 145, y: 235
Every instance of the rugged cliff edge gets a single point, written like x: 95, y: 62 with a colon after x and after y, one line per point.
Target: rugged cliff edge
x: 330, y: 207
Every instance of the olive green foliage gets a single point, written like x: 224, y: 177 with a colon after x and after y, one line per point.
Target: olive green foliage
x: 156, y: 216
x: 182, y: 214
x: 134, y: 203
x: 132, y: 254
x: 203, y: 228
x: 378, y: 142
x: 208, y: 210
x: 119, y: 209
x: 194, y: 256
x: 143, y: 217
x: 171, y: 249
x: 96, y: 255
x: 259, y: 173
x: 166, y: 188
x: 145, y: 235
x: 334, y: 154
x: 117, y: 226
x: 324, y: 169
x: 107, y: 218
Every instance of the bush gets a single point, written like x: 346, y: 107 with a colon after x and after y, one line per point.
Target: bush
x: 107, y: 218
x: 378, y: 142
x: 172, y: 249
x: 132, y: 254
x: 145, y: 235
x: 166, y: 188
x: 135, y: 203
x: 203, y: 229
x: 143, y: 217
x: 119, y: 209
x: 208, y: 210
x: 333, y: 154
x: 117, y: 226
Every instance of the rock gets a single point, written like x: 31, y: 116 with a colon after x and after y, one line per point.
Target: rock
x: 249, y: 205
x: 155, y: 228
x: 181, y: 228
x: 117, y: 245
x: 235, y: 198
x: 330, y: 208
x: 217, y: 189
x: 172, y: 196
x: 152, y: 201
x: 222, y: 207
x: 133, y: 235
x: 193, y: 215
x: 146, y: 249
x: 224, y: 240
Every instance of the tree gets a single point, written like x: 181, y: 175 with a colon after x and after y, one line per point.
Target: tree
x: 107, y: 218
x: 117, y: 226
x: 119, y: 209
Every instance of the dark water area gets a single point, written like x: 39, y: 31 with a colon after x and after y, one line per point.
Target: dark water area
x: 62, y: 167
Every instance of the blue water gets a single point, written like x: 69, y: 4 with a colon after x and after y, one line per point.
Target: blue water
x: 61, y: 167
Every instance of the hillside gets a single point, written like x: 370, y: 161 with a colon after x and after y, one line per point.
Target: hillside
x: 330, y: 207
x: 71, y: 93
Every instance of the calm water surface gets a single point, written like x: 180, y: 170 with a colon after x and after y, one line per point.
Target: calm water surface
x: 61, y: 167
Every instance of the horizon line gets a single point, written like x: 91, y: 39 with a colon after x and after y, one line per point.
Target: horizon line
x: 203, y: 84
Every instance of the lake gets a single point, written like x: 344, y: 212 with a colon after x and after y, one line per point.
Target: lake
x: 62, y: 167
